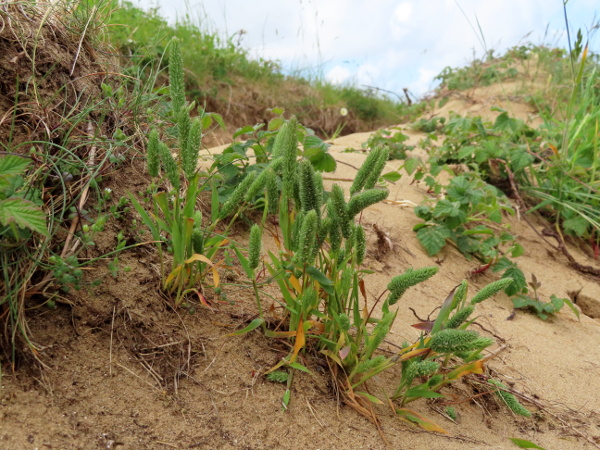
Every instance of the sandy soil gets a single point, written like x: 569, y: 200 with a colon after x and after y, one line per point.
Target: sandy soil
x: 125, y: 371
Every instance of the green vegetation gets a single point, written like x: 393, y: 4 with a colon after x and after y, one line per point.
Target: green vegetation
x: 217, y: 67
x: 52, y: 205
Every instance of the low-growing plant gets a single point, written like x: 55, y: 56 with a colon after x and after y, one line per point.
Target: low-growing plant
x: 543, y: 309
x: 391, y: 139
x: 175, y: 213
x: 470, y: 217
x: 324, y: 306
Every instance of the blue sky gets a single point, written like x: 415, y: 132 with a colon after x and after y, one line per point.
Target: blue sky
x: 390, y: 44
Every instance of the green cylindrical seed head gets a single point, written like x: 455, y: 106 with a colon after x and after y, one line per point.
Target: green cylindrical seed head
x: 360, y: 243
x: 366, y: 170
x: 170, y: 165
x: 318, y: 190
x: 346, y: 283
x: 344, y: 322
x: 324, y: 228
x: 290, y: 156
x: 194, y: 141
x: 369, y: 364
x: 308, y: 193
x: 452, y: 341
x: 153, y: 161
x: 427, y: 368
x: 236, y: 198
x: 510, y: 400
x: 460, y: 317
x: 309, y: 299
x: 362, y: 200
x: 306, y: 239
x: 338, y: 210
x: 198, y: 219
x: 335, y: 234
x: 272, y: 191
x: 197, y: 240
x: 254, y: 246
x: 276, y: 164
x: 490, y: 290
x: 257, y: 186
x: 184, y: 124
x: 176, y: 78
x: 411, y: 277
x: 296, y: 229
x: 380, y: 332
x: 373, y: 176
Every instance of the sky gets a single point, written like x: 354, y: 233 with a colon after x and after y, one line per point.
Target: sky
x: 388, y: 44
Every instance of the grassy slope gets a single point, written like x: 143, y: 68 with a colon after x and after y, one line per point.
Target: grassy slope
x: 221, y: 74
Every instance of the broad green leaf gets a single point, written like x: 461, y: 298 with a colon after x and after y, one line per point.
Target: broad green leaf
x: 392, y: 176
x: 522, y: 443
x: 23, y: 213
x: 319, y: 276
x: 433, y: 238
x: 519, y: 282
x: 244, y: 130
x: 276, y: 123
x: 411, y: 164
x: 12, y: 165
x: 252, y: 326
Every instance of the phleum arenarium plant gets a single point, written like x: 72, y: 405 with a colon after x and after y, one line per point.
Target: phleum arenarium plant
x: 323, y: 299
x: 174, y: 211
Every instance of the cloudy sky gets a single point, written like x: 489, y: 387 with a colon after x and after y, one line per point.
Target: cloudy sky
x: 390, y: 44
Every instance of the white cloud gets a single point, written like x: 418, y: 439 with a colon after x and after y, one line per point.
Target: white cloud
x: 389, y: 43
x: 338, y: 75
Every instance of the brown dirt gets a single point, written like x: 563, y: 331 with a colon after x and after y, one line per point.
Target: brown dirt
x: 122, y: 369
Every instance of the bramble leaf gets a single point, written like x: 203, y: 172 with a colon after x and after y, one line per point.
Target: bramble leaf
x: 23, y: 213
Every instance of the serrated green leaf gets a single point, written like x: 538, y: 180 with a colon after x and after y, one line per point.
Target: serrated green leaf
x: 433, y: 238
x: 275, y: 124
x: 577, y: 225
x: 410, y: 165
x: 446, y: 208
x: 12, y: 165
x: 244, y: 130
x: 24, y: 214
x: 517, y: 251
x: 519, y: 281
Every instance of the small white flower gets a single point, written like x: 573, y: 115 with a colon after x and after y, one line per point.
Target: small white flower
x: 343, y: 112
x: 107, y: 190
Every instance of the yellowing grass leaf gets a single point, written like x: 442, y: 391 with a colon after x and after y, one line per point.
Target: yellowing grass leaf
x: 369, y: 397
x: 420, y: 420
x: 414, y: 353
x: 280, y: 334
x: 296, y: 284
x: 197, y: 257
x: 174, y: 273
x: 216, y: 277
x: 474, y: 367
x: 300, y: 341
